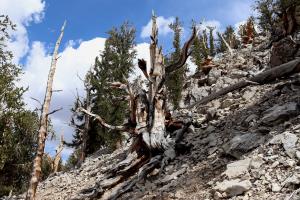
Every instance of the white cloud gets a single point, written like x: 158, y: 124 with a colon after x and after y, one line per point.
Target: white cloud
x: 143, y: 52
x: 192, y: 66
x: 22, y: 13
x: 73, y: 62
x: 237, y: 26
x: 162, y: 24
x: 210, y: 23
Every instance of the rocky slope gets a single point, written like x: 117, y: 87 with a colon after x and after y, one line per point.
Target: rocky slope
x: 244, y: 145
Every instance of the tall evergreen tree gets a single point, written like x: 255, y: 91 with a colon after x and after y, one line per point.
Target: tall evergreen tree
x: 18, y: 126
x: 211, y: 40
x: 114, y: 64
x: 175, y: 81
x: 81, y: 123
x: 196, y: 55
x: 273, y: 14
x: 204, y: 38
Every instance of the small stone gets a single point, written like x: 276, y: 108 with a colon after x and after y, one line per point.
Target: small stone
x: 191, y: 129
x: 276, y: 187
x: 249, y: 94
x: 227, y: 103
x: 298, y: 155
x: 154, y: 172
x: 290, y: 162
x: 256, y: 162
x: 275, y: 164
x: 218, y: 195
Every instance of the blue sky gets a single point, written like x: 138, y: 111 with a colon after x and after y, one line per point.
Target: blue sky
x: 39, y: 21
x: 92, y: 18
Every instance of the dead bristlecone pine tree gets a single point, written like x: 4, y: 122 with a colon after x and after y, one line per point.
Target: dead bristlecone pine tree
x: 43, y: 129
x: 149, y: 124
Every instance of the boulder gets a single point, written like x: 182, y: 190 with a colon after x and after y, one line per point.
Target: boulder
x: 243, y: 143
x: 283, y: 51
x: 213, y: 75
x: 288, y: 141
x: 237, y: 168
x: 280, y: 113
x: 233, y: 187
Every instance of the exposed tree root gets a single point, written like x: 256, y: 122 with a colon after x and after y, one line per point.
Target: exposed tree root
x: 129, y: 172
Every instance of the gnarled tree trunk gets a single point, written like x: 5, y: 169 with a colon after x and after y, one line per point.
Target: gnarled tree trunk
x: 148, y: 122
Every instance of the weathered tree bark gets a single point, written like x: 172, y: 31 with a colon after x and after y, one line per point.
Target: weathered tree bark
x: 148, y: 122
x: 36, y: 174
x: 272, y: 74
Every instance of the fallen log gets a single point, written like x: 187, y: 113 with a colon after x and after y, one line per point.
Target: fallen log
x: 267, y: 76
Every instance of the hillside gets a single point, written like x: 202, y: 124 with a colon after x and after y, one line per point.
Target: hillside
x: 243, y: 145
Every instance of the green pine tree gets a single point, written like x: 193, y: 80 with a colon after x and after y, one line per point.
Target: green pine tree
x: 270, y: 13
x: 175, y: 81
x: 211, y: 41
x: 18, y: 126
x: 114, y: 64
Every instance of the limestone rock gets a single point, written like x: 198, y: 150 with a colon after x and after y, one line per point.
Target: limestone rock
x: 278, y: 114
x: 276, y: 187
x: 256, y: 162
x: 233, y: 187
x: 242, y: 144
x: 237, y: 168
x: 213, y: 75
x: 288, y: 140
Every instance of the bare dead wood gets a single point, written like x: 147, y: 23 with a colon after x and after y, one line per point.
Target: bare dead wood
x: 102, y: 122
x: 54, y: 111
x: 37, y: 170
x: 226, y: 43
x: 184, y: 55
x: 267, y: 76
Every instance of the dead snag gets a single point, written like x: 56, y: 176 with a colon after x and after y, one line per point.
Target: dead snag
x: 36, y: 174
x: 148, y: 122
x: 57, y: 157
x: 226, y: 43
x: 272, y: 74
